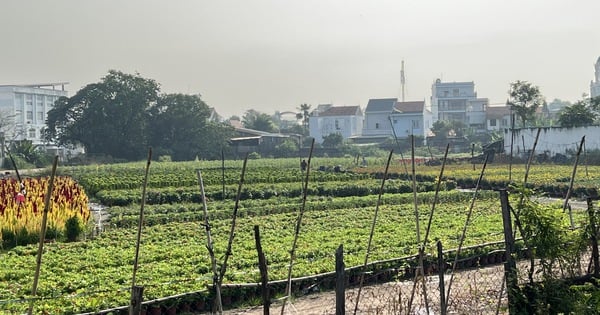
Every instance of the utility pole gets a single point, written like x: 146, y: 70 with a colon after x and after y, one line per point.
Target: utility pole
x: 402, y: 80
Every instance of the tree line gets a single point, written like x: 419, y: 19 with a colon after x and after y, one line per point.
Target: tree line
x: 124, y: 114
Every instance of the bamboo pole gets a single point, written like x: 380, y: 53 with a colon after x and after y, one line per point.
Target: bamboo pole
x: 531, y: 155
x: 139, y: 230
x: 209, y: 246
x: 381, y: 190
x: 398, y: 144
x: 570, y: 190
x: 297, y: 229
x: 38, y: 264
x: 421, y: 267
x: 464, y: 232
x: 233, y: 220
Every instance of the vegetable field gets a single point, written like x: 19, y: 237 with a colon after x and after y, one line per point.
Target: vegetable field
x: 95, y: 272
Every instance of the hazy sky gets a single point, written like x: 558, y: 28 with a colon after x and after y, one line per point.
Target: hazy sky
x: 274, y: 55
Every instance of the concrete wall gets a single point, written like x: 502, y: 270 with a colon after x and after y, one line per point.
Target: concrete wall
x: 553, y: 140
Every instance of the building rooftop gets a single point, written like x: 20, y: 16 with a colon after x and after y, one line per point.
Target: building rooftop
x: 341, y: 111
x: 381, y: 105
x: 410, y: 107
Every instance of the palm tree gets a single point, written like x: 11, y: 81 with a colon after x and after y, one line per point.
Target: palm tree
x: 304, y: 114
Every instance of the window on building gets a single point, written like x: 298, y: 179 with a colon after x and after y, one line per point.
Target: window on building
x: 29, y: 100
x: 337, y: 125
x: 446, y: 93
x: 504, y: 122
x: 40, y: 116
x: 455, y: 92
x: 416, y: 124
x: 29, y: 115
x: 376, y: 125
x: 492, y: 122
x: 31, y: 133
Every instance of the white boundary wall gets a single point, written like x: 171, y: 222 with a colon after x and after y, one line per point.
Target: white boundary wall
x: 553, y: 140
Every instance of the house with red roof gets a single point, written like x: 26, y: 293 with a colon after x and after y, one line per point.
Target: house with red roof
x: 327, y: 119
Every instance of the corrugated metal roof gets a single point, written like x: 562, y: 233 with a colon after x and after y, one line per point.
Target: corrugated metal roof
x: 381, y: 105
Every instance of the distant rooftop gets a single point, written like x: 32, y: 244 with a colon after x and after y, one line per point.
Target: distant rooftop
x: 39, y: 85
x: 410, y: 107
x: 341, y: 111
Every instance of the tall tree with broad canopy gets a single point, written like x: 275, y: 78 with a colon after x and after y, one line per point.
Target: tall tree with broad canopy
x: 107, y: 118
x: 582, y: 113
x: 180, y: 127
x: 258, y: 121
x: 524, y: 99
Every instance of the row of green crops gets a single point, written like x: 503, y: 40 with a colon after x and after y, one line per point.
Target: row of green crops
x: 174, y: 257
x: 159, y: 214
x: 363, y: 187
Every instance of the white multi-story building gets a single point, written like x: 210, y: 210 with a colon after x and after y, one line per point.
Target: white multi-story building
x: 595, y: 85
x: 23, y: 110
x: 458, y: 101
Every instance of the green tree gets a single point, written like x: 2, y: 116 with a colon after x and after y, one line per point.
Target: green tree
x: 258, y: 121
x: 180, y: 127
x: 333, y: 140
x: 108, y: 117
x: 577, y: 115
x: 441, y: 128
x: 288, y: 148
x: 524, y: 99
x: 304, y: 114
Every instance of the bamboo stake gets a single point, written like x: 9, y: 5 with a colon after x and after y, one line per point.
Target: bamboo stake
x: 233, y: 220
x: 512, y: 140
x: 531, y: 155
x: 13, y: 163
x: 570, y: 190
x: 297, y: 230
x: 381, y: 190
x: 140, y: 224
x: 464, y: 232
x: 421, y: 267
x: 209, y: 246
x: 222, y: 174
x: 398, y: 144
x: 38, y: 265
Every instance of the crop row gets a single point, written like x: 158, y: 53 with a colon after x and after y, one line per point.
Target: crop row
x: 164, y: 213
x: 174, y: 259
x: 262, y: 191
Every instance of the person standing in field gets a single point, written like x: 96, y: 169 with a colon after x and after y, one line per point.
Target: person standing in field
x: 303, y: 165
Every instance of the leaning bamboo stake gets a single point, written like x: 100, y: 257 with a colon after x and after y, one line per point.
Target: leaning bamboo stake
x: 435, y: 201
x: 297, y: 231
x: 38, y: 265
x: 570, y: 190
x: 209, y: 246
x: 531, y: 155
x: 233, y: 220
x: 464, y: 232
x: 381, y: 190
x: 140, y: 224
x: 420, y: 270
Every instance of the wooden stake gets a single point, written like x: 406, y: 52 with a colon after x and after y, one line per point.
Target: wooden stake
x: 139, y: 231
x: 209, y: 247
x: 38, y: 264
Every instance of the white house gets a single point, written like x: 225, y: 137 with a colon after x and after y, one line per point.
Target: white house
x: 411, y: 118
x: 27, y: 106
x: 497, y: 118
x: 377, y: 117
x: 327, y: 119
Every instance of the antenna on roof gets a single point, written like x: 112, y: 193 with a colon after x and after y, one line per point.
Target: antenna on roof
x: 402, y: 80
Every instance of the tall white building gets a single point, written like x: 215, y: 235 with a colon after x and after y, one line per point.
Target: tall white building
x: 24, y: 109
x: 595, y: 85
x: 458, y: 101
